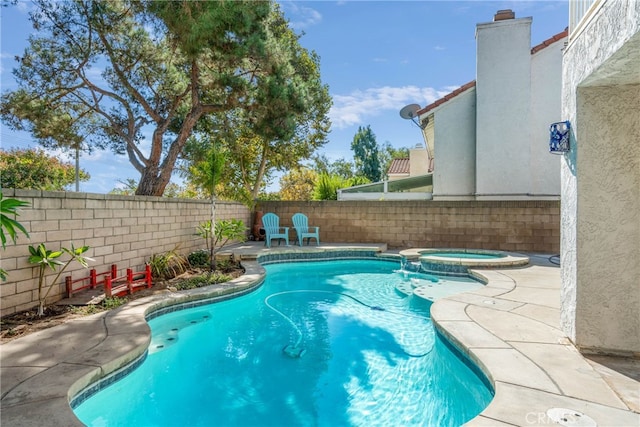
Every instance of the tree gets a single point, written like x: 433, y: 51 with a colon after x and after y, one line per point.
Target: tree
x: 275, y: 129
x: 107, y: 72
x: 34, y: 169
x: 341, y: 167
x: 365, y: 150
x: 298, y: 184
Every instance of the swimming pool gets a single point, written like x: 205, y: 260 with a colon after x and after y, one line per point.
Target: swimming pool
x: 356, y: 352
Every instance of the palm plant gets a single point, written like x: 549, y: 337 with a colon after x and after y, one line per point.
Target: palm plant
x: 10, y: 225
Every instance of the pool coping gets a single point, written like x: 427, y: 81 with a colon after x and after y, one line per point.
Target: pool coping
x: 42, y: 372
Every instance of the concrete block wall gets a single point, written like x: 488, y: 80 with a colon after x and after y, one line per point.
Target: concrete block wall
x: 525, y: 226
x: 122, y: 230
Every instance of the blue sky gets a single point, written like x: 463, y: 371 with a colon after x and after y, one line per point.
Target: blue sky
x: 376, y: 57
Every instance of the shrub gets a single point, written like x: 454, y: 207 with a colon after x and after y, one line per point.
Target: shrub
x: 202, y: 280
x: 168, y: 265
x: 199, y: 258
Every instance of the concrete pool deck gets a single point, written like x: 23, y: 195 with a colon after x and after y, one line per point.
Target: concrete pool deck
x: 510, y: 328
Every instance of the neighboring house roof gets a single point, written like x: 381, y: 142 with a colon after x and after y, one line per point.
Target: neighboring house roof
x: 550, y: 41
x: 399, y: 166
x: 465, y: 87
x: 447, y: 97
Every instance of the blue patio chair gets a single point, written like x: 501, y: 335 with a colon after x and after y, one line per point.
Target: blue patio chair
x: 272, y: 229
x: 303, y: 231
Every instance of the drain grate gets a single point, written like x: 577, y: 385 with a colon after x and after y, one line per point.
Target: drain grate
x: 569, y: 417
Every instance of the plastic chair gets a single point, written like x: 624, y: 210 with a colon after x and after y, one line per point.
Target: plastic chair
x: 303, y: 231
x: 272, y: 229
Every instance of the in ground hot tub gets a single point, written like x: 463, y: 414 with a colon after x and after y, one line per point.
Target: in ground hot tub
x: 459, y: 261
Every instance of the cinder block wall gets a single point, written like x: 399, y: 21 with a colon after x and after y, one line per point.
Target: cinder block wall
x: 127, y: 230
x: 122, y: 230
x: 525, y: 226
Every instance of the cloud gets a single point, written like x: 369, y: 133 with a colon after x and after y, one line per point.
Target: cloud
x: 301, y: 17
x: 358, y: 106
x: 439, y: 47
x: 23, y: 6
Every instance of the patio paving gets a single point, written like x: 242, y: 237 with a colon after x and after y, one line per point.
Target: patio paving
x: 510, y: 328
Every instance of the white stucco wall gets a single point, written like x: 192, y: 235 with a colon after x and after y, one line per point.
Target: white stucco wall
x: 546, y: 108
x: 455, y: 151
x: 503, y: 91
x: 600, y: 213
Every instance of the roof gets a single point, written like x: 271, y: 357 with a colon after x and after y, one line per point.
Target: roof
x: 550, y: 41
x: 465, y: 87
x: 447, y: 97
x: 398, y: 166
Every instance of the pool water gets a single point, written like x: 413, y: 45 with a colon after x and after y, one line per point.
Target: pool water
x: 358, y: 353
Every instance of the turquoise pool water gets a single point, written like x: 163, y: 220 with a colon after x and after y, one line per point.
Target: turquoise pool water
x: 369, y: 356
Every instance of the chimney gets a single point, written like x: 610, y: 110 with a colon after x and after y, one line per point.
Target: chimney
x: 504, y: 14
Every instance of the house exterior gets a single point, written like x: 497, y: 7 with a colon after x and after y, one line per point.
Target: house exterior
x: 399, y: 169
x: 600, y: 210
x: 408, y: 178
x: 488, y: 138
x: 415, y: 165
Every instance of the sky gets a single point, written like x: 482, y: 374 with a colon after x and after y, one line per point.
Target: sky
x: 375, y: 56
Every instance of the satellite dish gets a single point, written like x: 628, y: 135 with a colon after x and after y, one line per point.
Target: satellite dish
x: 410, y: 111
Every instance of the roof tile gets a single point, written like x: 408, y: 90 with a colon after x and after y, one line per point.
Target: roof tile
x: 398, y: 166
x: 447, y: 97
x: 471, y: 84
x: 550, y: 41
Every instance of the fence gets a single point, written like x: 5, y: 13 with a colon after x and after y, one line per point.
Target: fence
x: 127, y: 230
x: 123, y: 230
x: 525, y: 226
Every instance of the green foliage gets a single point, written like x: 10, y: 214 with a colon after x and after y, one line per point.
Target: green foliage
x: 199, y: 258
x: 365, y: 150
x: 168, y: 265
x: 110, y: 303
x: 357, y: 180
x: 282, y: 121
x: 205, y: 166
x: 327, y: 187
x: 341, y: 167
x: 34, y: 169
x: 298, y: 184
x: 168, y: 64
x: 107, y: 304
x: 224, y: 230
x: 46, y: 258
x: 7, y: 224
x: 206, y: 279
x: 10, y: 225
